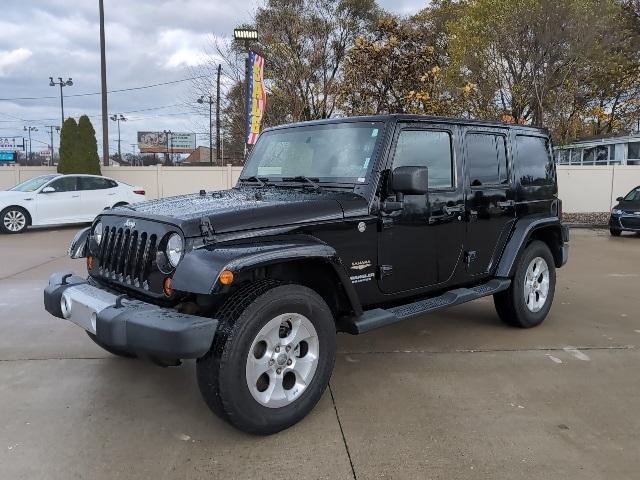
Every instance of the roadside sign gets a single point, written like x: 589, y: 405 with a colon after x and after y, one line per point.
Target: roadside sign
x: 11, y: 143
x: 7, y: 157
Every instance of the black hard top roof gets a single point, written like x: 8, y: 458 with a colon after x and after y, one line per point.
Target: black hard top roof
x: 397, y: 117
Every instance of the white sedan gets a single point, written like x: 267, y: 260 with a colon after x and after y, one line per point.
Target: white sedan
x: 61, y: 199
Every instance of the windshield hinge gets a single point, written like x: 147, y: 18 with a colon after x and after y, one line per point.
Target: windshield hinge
x: 206, y: 229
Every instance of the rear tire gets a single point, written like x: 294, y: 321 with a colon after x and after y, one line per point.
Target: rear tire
x: 111, y: 350
x: 528, y: 299
x: 271, y: 359
x: 615, y: 232
x: 14, y: 220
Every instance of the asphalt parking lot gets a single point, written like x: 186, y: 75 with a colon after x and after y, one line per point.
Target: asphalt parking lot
x: 453, y: 395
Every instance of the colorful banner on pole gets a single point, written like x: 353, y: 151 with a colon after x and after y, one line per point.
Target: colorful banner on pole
x: 256, y: 97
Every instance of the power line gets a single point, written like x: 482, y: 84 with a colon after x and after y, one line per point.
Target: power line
x: 120, y: 90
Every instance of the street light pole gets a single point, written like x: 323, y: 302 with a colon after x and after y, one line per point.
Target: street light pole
x: 30, y: 129
x: 120, y: 118
x: 62, y: 83
x: 246, y: 35
x: 167, y: 134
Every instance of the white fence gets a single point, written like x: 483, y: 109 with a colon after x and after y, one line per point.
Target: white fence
x: 158, y: 181
x: 582, y: 189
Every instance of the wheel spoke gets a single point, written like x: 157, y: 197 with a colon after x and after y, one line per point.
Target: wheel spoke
x: 299, y: 332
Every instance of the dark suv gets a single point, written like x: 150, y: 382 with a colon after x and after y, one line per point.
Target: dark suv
x: 625, y: 216
x: 334, y: 226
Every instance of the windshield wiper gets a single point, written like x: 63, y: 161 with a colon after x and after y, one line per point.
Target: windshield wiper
x: 302, y: 178
x: 253, y: 179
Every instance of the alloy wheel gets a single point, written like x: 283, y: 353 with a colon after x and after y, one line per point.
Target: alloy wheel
x: 536, y: 284
x: 14, y: 220
x: 282, y: 360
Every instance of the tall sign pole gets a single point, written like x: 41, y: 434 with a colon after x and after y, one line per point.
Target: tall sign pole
x: 103, y: 77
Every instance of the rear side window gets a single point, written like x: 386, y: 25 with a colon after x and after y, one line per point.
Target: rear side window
x: 486, y: 159
x: 426, y: 148
x: 535, y: 164
x: 94, y: 183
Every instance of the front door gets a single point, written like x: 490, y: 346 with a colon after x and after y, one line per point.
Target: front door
x: 490, y: 200
x: 61, y: 205
x: 420, y: 244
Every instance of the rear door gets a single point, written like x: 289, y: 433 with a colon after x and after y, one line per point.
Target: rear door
x: 61, y: 206
x: 490, y: 201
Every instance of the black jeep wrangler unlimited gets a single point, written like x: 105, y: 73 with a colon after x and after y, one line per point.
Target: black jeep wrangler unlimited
x: 334, y: 226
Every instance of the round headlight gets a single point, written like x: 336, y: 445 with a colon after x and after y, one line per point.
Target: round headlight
x: 97, y: 232
x: 175, y: 246
x: 615, y: 211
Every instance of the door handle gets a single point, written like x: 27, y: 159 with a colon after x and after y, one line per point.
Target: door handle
x: 111, y: 194
x: 506, y: 204
x: 75, y: 196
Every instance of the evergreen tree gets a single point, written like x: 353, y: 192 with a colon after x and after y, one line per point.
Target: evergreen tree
x: 88, y: 147
x: 69, y: 158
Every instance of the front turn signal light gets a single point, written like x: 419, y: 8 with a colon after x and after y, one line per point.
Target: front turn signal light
x: 226, y: 277
x: 167, y: 287
x: 91, y: 262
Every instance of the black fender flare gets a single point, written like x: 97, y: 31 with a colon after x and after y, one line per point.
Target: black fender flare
x: 519, y: 238
x: 199, y: 270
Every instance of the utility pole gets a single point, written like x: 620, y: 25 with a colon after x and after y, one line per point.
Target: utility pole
x: 167, y: 134
x: 218, y: 152
x: 118, y: 119
x: 30, y: 129
x: 62, y: 83
x: 103, y: 78
x: 51, y: 127
x: 209, y: 100
x: 133, y: 149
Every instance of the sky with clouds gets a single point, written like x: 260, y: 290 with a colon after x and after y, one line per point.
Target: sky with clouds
x: 148, y: 42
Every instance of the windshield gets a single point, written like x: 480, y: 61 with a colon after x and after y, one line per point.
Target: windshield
x: 633, y: 195
x: 32, y: 184
x: 337, y: 153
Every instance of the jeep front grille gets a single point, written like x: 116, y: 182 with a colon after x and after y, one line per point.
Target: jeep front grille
x: 127, y: 256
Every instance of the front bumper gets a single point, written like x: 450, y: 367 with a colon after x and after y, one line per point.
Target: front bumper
x: 129, y: 325
x: 626, y: 222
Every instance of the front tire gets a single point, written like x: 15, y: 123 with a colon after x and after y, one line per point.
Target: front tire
x: 14, y: 220
x: 272, y: 357
x: 528, y: 299
x: 615, y: 232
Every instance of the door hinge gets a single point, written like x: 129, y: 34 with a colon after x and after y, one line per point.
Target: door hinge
x: 384, y: 271
x: 470, y: 257
x: 386, y: 222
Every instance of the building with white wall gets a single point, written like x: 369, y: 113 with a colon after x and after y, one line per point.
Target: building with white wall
x: 603, y: 151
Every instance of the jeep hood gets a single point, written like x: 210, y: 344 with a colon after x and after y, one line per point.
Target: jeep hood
x: 247, y: 208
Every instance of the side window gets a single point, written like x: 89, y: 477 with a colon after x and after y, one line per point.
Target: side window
x: 429, y: 148
x: 64, y: 184
x: 93, y: 183
x: 535, y: 164
x: 486, y: 159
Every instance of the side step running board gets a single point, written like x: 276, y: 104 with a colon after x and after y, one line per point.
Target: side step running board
x: 378, y: 317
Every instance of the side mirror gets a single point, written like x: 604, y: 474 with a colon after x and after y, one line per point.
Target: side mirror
x: 410, y: 180
x: 48, y: 190
x: 619, y: 199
